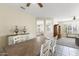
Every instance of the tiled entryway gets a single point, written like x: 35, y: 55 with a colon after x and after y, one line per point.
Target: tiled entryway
x: 69, y: 42
x: 66, y: 51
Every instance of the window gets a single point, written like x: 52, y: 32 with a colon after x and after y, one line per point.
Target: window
x: 40, y: 26
x: 44, y: 26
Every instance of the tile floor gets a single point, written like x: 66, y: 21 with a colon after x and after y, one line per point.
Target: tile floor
x: 70, y: 42
x: 66, y: 51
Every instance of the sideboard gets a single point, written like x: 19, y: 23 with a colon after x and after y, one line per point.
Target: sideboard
x: 13, y: 39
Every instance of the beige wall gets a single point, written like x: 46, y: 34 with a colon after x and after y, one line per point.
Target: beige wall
x: 10, y: 17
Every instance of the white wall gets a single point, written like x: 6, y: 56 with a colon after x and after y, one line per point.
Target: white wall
x: 10, y: 17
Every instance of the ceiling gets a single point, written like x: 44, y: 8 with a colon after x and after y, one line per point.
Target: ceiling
x: 55, y: 10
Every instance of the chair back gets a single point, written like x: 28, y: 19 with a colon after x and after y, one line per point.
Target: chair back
x: 45, y: 48
x: 53, y: 45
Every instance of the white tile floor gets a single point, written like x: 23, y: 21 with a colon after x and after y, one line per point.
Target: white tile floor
x: 70, y: 42
x: 66, y: 51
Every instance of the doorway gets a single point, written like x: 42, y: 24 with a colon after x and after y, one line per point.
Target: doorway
x: 57, y: 31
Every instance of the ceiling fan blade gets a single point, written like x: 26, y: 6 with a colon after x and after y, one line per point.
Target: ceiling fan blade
x: 40, y: 4
x: 22, y: 7
x: 28, y: 4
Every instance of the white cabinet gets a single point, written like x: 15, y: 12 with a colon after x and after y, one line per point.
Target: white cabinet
x: 17, y: 39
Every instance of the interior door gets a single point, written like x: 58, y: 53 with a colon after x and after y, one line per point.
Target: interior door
x: 57, y: 31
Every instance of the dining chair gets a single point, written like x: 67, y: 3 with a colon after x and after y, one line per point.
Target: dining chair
x: 53, y: 45
x: 45, y: 48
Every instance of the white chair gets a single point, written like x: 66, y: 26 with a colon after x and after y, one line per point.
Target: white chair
x: 53, y: 45
x: 45, y: 48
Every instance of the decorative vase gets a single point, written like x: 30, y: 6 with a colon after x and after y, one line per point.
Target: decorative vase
x: 24, y: 29
x: 16, y: 30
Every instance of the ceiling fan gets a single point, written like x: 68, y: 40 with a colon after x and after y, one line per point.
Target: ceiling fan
x: 39, y: 4
x: 28, y: 4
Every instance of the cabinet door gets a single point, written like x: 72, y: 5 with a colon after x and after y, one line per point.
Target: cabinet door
x: 55, y: 30
x: 10, y: 41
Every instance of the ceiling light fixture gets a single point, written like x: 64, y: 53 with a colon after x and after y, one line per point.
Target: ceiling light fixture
x: 74, y: 18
